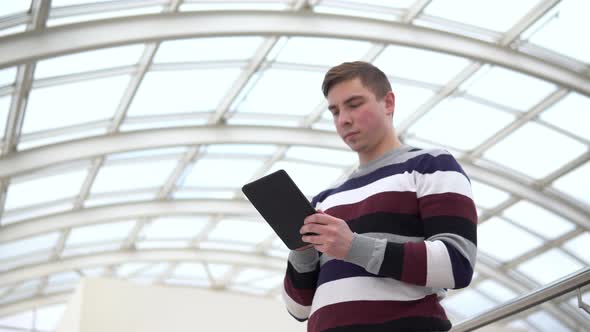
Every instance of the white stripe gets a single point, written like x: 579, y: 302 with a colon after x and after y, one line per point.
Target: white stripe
x: 366, y: 289
x: 296, y: 309
x: 442, y: 182
x: 439, y: 271
x: 396, y: 182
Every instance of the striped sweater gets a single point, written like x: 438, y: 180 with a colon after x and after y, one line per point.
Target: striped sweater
x: 414, y: 224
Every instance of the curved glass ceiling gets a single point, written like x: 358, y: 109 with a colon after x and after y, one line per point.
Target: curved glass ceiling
x: 129, y: 127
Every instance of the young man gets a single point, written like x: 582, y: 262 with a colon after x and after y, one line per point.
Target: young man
x: 392, y: 237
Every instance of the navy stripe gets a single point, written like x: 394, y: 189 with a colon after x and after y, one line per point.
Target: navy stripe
x: 450, y: 224
x: 305, y: 280
x: 337, y: 269
x: 408, y: 324
x: 424, y: 164
x: 462, y: 270
x: 393, y: 223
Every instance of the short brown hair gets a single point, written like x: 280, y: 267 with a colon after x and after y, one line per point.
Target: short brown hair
x: 371, y: 77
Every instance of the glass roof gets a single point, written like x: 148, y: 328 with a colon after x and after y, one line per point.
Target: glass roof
x: 141, y: 140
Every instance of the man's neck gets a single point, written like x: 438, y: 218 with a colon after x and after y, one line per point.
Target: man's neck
x: 389, y: 144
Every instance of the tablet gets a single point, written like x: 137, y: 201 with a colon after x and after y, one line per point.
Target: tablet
x: 280, y: 202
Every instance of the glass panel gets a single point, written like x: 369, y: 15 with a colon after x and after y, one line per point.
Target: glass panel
x: 310, y: 179
x: 7, y: 76
x: 248, y: 275
x: 75, y: 103
x: 335, y: 7
x: 498, y: 15
x: 339, y: 157
x: 468, y: 303
x: 43, y: 189
x: 272, y: 281
x: 190, y: 271
x: 24, y: 290
x: 28, y: 246
x: 546, y: 322
x: 132, y: 176
x: 91, y: 249
x: 575, y: 183
x: 22, y: 320
x: 89, y: 61
x: 322, y: 51
x: 570, y: 113
x: 103, y: 15
x: 298, y: 93
x: 549, y: 266
x: 407, y: 100
x: 549, y: 150
x: 239, y: 230
x: 12, y: 7
x: 503, y: 241
x: 61, y: 281
x: 93, y: 271
x: 129, y: 269
x: 496, y: 291
x: 487, y: 196
x: 241, y: 149
x: 580, y: 246
x: 445, y: 123
x: 13, y: 30
x: 224, y: 173
x: 99, y: 233
x: 174, y: 228
x: 47, y: 318
x: 538, y: 220
x: 420, y: 65
x: 568, y: 18
x: 4, y: 111
x: 182, y: 91
x: 512, y: 89
x: 208, y: 49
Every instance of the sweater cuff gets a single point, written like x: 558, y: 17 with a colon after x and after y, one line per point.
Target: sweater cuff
x: 304, y: 260
x: 366, y: 252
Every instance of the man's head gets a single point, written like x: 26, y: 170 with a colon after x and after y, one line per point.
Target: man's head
x: 370, y: 76
x: 362, y: 104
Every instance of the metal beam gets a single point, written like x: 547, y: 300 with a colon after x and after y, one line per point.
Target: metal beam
x: 33, y: 45
x: 108, y: 213
x: 235, y: 258
x: 30, y: 160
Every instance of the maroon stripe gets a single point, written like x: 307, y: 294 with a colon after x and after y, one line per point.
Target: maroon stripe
x: 300, y: 296
x: 448, y: 204
x: 389, y: 201
x: 414, y: 265
x: 373, y: 312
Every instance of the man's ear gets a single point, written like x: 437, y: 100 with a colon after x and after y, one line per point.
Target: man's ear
x: 389, y: 100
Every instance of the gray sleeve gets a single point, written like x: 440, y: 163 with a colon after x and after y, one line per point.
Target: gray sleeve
x: 305, y: 260
x: 367, y: 252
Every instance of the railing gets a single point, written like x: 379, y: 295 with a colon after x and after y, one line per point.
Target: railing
x: 546, y: 293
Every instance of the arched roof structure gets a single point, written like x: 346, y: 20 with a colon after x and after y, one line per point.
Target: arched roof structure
x: 128, y: 128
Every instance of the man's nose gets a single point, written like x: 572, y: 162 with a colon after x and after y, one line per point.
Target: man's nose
x: 344, y: 118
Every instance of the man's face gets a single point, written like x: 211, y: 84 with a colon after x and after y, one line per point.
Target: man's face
x: 362, y: 121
